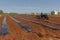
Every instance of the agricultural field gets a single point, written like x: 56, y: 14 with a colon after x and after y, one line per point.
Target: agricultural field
x: 28, y: 27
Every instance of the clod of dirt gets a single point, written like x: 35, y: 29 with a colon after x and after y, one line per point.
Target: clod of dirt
x: 14, y: 39
x: 47, y: 35
x: 39, y: 34
x: 57, y: 37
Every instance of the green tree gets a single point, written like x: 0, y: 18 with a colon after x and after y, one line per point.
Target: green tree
x: 1, y: 11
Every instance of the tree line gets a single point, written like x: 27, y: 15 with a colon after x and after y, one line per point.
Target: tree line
x: 1, y: 11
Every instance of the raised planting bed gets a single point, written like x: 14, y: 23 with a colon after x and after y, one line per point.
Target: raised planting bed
x: 22, y: 25
x: 45, y: 25
x: 4, y: 29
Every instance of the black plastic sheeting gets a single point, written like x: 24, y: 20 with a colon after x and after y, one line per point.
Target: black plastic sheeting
x: 53, y: 22
x: 45, y: 25
x: 4, y: 30
x: 22, y: 25
x: 45, y: 20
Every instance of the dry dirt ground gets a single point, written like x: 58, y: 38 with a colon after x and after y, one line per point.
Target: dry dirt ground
x: 16, y: 32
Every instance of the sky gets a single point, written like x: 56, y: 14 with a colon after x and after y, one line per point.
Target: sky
x: 28, y: 6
